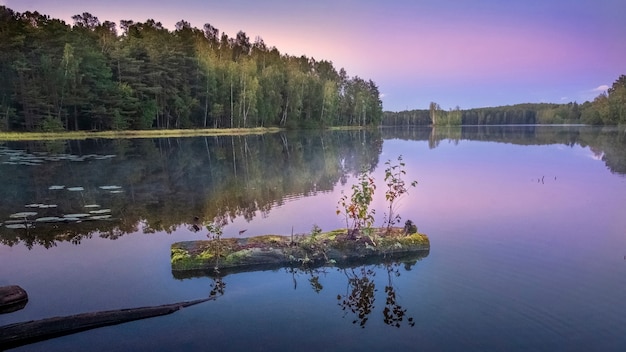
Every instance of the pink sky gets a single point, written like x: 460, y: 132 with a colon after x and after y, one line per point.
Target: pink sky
x: 454, y: 52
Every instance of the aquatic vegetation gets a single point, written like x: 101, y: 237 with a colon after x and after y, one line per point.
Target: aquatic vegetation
x: 24, y: 214
x: 49, y: 219
x: 22, y: 157
x: 108, y: 188
x: 100, y: 217
x: 100, y: 211
x: 16, y: 226
x: 41, y: 206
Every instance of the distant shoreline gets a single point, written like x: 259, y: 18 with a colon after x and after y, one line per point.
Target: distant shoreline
x: 30, y: 136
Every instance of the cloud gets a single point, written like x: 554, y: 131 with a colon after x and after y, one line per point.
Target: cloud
x: 602, y: 88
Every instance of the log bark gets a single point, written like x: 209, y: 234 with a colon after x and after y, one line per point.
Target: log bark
x: 20, y: 334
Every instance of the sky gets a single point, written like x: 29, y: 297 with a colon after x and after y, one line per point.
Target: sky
x: 453, y: 52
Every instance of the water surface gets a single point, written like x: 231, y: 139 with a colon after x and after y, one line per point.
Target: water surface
x: 527, y: 230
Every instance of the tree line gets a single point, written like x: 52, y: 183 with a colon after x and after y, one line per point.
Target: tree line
x: 540, y: 113
x: 607, y: 109
x: 87, y: 76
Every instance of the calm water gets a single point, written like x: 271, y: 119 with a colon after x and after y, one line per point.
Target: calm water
x: 527, y: 228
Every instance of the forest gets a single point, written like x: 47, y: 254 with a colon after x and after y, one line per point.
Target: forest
x: 608, y: 108
x: 87, y: 76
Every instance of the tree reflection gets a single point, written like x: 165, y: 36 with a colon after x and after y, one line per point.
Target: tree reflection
x: 393, y: 312
x: 609, y: 143
x: 359, y: 298
x: 217, y: 287
x: 164, y: 183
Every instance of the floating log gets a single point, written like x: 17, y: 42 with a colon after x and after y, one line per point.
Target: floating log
x: 20, y: 334
x: 338, y: 248
x: 12, y: 298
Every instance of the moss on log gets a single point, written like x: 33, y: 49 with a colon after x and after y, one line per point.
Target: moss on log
x: 273, y: 251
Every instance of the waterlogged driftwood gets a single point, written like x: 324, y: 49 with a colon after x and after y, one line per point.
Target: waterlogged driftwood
x: 20, y: 334
x: 336, y: 248
x: 12, y: 298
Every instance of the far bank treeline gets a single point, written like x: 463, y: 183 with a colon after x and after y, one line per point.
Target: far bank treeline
x: 88, y: 76
x: 608, y: 108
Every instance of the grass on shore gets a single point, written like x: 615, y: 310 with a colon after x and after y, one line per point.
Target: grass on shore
x: 26, y: 136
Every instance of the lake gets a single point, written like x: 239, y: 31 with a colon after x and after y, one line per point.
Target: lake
x: 527, y: 226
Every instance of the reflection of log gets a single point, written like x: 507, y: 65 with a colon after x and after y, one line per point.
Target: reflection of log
x: 19, y: 334
x: 232, y: 255
x: 12, y: 298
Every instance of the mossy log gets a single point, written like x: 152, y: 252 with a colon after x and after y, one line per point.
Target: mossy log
x: 20, y: 334
x: 12, y: 298
x: 337, y: 247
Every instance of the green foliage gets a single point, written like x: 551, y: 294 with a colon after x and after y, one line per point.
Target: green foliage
x: 356, y: 208
x: 315, y: 231
x: 51, y: 124
x: 178, y: 254
x: 396, y: 189
x: 608, y: 108
x: 90, y: 77
x: 502, y: 115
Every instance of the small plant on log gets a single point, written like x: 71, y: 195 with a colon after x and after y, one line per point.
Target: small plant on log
x: 396, y: 189
x: 215, y: 233
x: 356, y: 208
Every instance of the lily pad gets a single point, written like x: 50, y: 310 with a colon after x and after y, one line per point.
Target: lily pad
x: 100, y: 217
x: 49, y: 219
x: 107, y: 188
x: 23, y: 214
x: 41, y: 206
x: 15, y: 226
